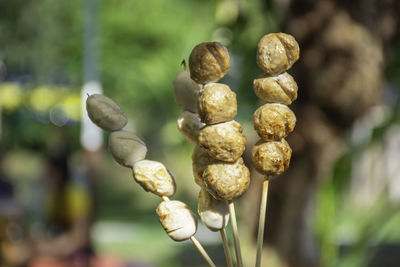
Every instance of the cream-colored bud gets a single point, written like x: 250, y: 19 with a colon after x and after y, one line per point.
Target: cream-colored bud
x: 213, y: 213
x: 126, y: 148
x: 177, y: 219
x: 154, y: 177
x: 105, y: 113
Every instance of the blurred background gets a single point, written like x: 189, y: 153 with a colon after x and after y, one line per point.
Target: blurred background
x: 65, y: 202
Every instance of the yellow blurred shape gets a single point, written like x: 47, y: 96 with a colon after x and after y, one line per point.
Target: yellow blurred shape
x: 10, y: 96
x: 227, y: 12
x: 72, y: 106
x: 44, y: 97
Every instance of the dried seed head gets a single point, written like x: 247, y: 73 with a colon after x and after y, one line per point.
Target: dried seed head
x: 272, y: 157
x: 209, y: 62
x: 227, y: 181
x: 277, y: 89
x: 177, y: 219
x: 189, y: 125
x: 223, y: 141
x: 274, y: 121
x: 105, y: 113
x: 213, y: 213
x: 126, y: 148
x: 186, y: 91
x: 154, y: 177
x: 217, y: 103
x: 200, y: 161
x: 277, y: 52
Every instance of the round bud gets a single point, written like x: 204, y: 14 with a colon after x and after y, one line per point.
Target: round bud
x: 227, y: 181
x: 186, y: 91
x: 126, y: 148
x: 177, y: 219
x: 105, y: 113
x: 223, y: 141
x: 274, y: 121
x: 154, y: 177
x: 277, y: 89
x: 277, y: 52
x: 271, y: 157
x: 217, y: 103
x: 189, y: 125
x: 209, y: 62
x: 213, y: 213
x: 200, y: 161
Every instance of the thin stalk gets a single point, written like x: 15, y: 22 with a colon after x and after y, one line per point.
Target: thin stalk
x: 235, y: 234
x: 226, y: 248
x: 261, y: 222
x: 202, y: 251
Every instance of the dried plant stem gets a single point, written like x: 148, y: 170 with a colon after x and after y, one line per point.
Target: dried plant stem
x: 235, y: 234
x: 165, y: 198
x: 261, y: 222
x: 226, y: 248
x: 202, y: 251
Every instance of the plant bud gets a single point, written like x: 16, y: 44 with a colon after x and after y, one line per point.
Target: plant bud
x: 186, y: 91
x: 154, y: 177
x: 217, y: 103
x: 223, y: 141
x: 274, y: 121
x: 200, y: 161
x: 177, y: 219
x: 126, y: 148
x: 227, y: 181
x: 189, y: 125
x: 272, y: 157
x: 209, y: 62
x: 277, y: 52
x: 105, y: 113
x: 213, y: 213
x: 277, y: 89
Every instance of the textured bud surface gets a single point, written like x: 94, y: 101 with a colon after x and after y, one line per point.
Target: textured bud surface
x: 105, y: 113
x: 200, y: 161
x: 208, y: 62
x: 177, y: 219
x: 154, y: 177
x: 217, y: 103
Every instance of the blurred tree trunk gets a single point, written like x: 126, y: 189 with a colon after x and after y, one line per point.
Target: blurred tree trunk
x: 343, y: 45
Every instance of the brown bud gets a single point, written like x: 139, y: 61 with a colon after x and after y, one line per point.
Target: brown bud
x: 277, y: 89
x: 271, y: 157
x: 126, y: 148
x: 223, y: 141
x: 277, y: 52
x: 217, y: 103
x: 273, y: 121
x: 209, y: 62
x: 189, y: 125
x: 227, y: 181
x: 200, y: 161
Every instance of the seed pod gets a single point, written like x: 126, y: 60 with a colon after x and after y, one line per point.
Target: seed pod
x: 273, y: 121
x: 186, y: 91
x: 126, y: 148
x: 272, y: 157
x: 200, y: 161
x: 213, y: 213
x: 217, y: 103
x: 209, y: 62
x: 277, y: 52
x: 154, y: 177
x: 105, y: 113
x: 223, y: 141
x: 177, y: 219
x: 227, y: 181
x: 277, y: 89
x: 189, y: 125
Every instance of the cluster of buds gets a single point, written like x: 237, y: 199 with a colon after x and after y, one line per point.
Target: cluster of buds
x: 273, y: 121
x: 130, y: 151
x: 209, y: 109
